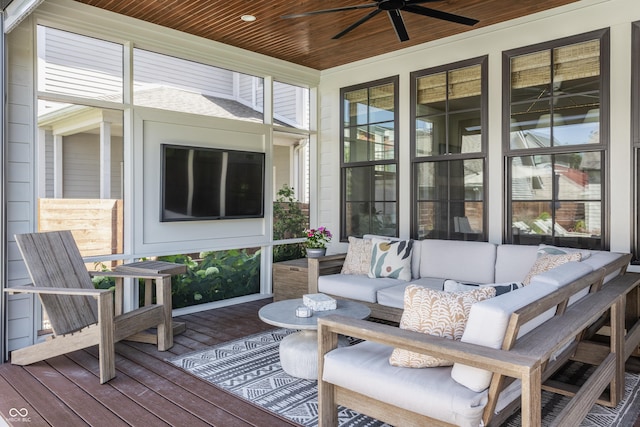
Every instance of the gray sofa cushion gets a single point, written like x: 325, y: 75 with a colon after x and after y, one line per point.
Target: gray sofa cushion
x: 393, y: 296
x: 463, y: 261
x: 365, y: 368
x: 355, y: 286
x: 513, y: 262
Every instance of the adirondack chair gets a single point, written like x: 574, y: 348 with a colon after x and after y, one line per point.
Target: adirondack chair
x: 82, y: 316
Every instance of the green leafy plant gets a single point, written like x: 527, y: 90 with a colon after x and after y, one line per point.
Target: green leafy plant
x: 289, y: 222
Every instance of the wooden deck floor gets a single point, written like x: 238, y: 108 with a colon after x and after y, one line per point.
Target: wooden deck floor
x: 147, y: 391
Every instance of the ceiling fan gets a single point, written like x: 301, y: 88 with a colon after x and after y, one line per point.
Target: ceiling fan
x: 393, y: 9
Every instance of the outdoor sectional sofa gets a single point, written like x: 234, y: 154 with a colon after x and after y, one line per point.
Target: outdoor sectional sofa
x: 511, y: 345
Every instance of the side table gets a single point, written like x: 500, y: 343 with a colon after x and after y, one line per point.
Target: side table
x: 148, y: 268
x: 299, y: 351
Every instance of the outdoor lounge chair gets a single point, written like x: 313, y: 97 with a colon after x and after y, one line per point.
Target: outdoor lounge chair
x: 82, y: 316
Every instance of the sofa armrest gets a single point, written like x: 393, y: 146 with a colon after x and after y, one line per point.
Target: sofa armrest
x: 329, y: 264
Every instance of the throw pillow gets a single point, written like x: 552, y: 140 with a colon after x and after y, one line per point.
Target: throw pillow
x: 501, y: 288
x: 438, y: 313
x: 555, y: 250
x: 546, y: 262
x: 391, y: 259
x: 358, y: 259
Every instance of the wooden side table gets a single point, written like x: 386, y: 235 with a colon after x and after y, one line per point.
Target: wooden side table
x: 149, y: 268
x: 290, y: 279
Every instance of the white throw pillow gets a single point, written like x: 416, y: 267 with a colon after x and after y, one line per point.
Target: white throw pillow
x: 358, y: 259
x: 501, y: 288
x: 391, y: 259
x: 438, y: 313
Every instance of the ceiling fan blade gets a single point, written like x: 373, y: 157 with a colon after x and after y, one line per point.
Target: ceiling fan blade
x: 398, y: 25
x: 425, y: 11
x: 356, y: 24
x: 337, y: 9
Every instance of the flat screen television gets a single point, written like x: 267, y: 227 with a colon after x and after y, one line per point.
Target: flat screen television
x: 200, y: 183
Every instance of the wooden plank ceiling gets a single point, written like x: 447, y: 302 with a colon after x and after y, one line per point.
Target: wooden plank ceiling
x: 308, y: 40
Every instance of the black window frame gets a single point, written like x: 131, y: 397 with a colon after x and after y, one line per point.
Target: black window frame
x: 448, y: 158
x: 635, y: 140
x: 603, y: 147
x: 344, y: 166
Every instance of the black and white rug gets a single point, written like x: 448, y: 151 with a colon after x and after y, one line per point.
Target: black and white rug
x: 250, y: 368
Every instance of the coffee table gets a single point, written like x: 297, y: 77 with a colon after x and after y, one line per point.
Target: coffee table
x: 299, y: 351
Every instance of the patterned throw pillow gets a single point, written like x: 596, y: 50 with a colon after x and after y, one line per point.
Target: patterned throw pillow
x: 391, y: 259
x: 438, y: 313
x: 358, y: 259
x: 546, y: 262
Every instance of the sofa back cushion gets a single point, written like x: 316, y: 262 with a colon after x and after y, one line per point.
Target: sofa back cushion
x: 472, y: 262
x: 513, y: 262
x: 487, y: 326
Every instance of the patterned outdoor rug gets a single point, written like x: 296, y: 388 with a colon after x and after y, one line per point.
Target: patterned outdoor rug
x: 250, y: 368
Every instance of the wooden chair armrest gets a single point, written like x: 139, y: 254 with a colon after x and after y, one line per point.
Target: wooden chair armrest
x: 494, y: 360
x: 327, y: 264
x: 55, y: 291
x: 132, y: 275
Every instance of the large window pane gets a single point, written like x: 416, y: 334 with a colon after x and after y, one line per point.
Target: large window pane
x: 449, y: 108
x: 82, y: 175
x: 170, y: 83
x: 290, y: 105
x: 371, y: 200
x: 71, y: 64
x: 369, y: 170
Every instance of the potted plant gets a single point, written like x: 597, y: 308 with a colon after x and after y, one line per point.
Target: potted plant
x: 316, y: 243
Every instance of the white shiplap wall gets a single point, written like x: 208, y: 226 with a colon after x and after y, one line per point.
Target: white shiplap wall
x: 20, y: 180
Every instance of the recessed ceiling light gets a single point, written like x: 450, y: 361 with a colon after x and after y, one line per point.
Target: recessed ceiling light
x: 248, y: 18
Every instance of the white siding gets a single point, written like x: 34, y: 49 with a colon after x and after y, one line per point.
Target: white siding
x: 19, y: 185
x: 78, y: 65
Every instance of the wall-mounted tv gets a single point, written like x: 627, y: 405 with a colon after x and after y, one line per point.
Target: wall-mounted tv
x: 200, y: 183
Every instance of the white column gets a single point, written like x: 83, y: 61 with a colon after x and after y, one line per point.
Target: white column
x: 105, y: 160
x: 57, y: 166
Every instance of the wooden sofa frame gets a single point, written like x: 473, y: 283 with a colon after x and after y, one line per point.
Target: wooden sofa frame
x: 531, y: 358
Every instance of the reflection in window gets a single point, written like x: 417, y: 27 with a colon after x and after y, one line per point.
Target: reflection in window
x: 448, y: 151
x: 369, y: 153
x: 555, y: 191
x: 169, y: 83
x: 71, y: 64
x: 290, y: 106
x: 81, y: 176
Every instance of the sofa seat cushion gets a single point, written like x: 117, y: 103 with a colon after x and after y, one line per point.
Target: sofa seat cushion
x: 365, y: 368
x: 463, y: 261
x: 355, y: 286
x: 393, y: 296
x: 487, y: 326
x: 601, y: 258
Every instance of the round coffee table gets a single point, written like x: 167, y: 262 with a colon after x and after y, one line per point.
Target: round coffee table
x: 299, y: 351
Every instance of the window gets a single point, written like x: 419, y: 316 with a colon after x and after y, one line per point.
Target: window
x: 635, y: 135
x: 448, y: 153
x: 556, y: 139
x: 169, y: 83
x: 369, y: 158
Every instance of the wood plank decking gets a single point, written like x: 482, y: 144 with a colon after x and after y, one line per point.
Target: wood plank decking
x: 147, y: 391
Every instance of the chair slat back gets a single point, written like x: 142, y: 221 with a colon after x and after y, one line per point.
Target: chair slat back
x: 53, y: 260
